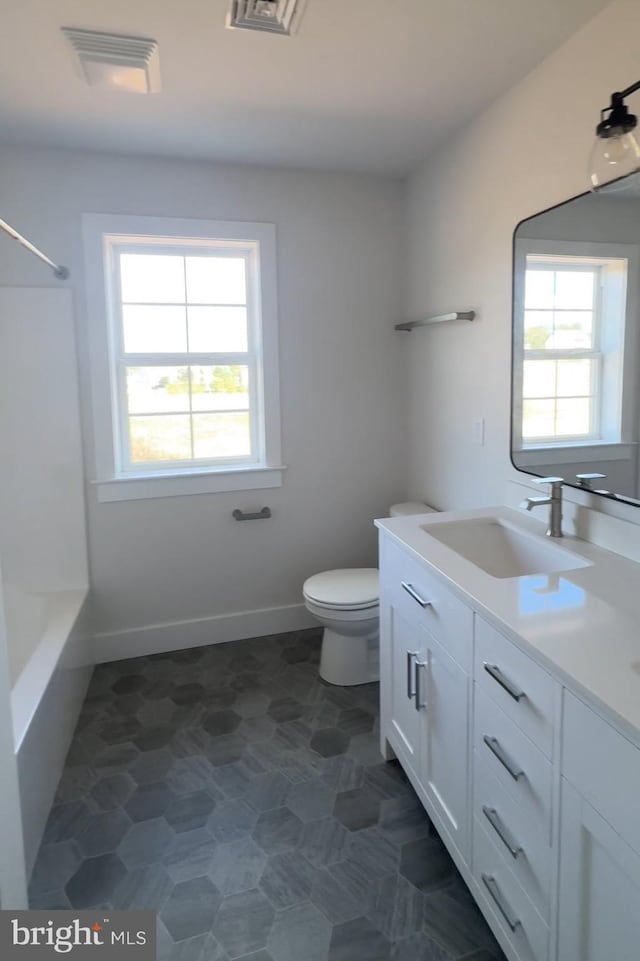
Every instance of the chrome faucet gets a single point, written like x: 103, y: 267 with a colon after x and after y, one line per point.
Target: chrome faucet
x: 554, y: 499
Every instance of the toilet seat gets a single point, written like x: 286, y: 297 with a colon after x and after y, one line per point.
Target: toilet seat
x: 342, y: 614
x: 354, y: 589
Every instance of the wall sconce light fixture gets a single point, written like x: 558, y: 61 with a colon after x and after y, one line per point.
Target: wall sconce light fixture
x: 616, y: 153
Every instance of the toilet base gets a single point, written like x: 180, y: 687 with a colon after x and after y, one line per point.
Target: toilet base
x: 348, y: 660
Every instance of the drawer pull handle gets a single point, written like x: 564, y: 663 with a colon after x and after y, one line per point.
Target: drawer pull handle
x: 410, y: 589
x: 503, y: 833
x: 491, y: 885
x: 494, y: 671
x: 496, y: 748
x: 418, y: 665
x: 410, y: 689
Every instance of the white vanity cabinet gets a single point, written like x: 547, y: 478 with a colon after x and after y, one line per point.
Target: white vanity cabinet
x: 425, y: 659
x: 599, y: 840
x: 535, y: 794
x: 513, y: 789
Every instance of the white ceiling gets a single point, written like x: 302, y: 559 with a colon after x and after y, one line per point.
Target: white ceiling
x: 365, y: 85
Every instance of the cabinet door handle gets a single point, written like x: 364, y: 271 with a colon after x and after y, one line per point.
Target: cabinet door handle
x: 503, y: 833
x: 497, y: 896
x: 410, y: 689
x: 512, y: 690
x: 418, y: 665
x: 496, y: 748
x: 410, y: 589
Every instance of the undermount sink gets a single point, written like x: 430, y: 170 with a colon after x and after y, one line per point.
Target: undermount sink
x: 502, y: 550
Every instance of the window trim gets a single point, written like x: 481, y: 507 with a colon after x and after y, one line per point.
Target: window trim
x: 101, y: 232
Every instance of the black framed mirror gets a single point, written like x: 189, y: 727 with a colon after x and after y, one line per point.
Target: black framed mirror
x: 576, y: 343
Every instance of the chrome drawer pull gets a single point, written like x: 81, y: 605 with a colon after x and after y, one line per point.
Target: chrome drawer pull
x: 418, y: 665
x: 491, y: 885
x: 496, y: 748
x: 410, y: 691
x: 414, y: 594
x: 503, y: 833
x: 494, y: 671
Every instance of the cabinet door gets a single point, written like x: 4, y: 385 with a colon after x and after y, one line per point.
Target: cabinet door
x: 444, y: 713
x: 402, y: 644
x: 599, y: 886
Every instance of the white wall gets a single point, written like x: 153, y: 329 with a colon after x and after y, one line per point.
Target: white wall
x: 526, y: 153
x: 342, y: 388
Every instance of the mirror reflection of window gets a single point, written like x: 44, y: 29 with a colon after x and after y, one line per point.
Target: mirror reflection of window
x: 573, y: 324
x: 562, y: 357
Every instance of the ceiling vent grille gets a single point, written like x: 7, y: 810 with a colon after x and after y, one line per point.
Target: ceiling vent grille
x: 116, y: 61
x: 270, y: 16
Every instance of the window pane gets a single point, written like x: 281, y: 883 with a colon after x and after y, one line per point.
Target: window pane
x: 157, y: 389
x: 574, y: 378
x: 574, y: 289
x: 216, y: 280
x: 573, y: 330
x: 220, y: 387
x: 573, y: 417
x: 539, y: 289
x: 155, y: 330
x: 539, y: 378
x: 538, y: 327
x: 221, y: 435
x: 160, y: 438
x: 538, y: 418
x: 218, y: 329
x: 152, y: 279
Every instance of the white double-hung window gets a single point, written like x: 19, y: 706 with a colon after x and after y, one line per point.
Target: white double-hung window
x: 569, y: 337
x: 184, y: 345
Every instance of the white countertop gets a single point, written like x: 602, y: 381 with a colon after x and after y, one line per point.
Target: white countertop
x: 583, y: 625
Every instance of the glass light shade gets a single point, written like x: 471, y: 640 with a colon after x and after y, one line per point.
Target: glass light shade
x: 613, y: 158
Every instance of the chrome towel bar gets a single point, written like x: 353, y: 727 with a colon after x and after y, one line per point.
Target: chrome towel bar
x: 441, y: 319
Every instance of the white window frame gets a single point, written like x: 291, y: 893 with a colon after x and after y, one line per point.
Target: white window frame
x: 612, y: 437
x: 104, y: 236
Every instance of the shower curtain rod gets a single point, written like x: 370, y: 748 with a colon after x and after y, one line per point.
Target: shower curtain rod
x: 58, y: 271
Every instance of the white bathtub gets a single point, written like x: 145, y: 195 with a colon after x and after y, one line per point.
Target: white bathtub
x: 26, y: 616
x: 49, y: 662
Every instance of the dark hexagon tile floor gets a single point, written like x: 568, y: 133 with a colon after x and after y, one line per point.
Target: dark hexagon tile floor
x: 244, y: 800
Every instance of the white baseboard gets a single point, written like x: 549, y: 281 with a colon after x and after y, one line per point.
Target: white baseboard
x: 198, y: 632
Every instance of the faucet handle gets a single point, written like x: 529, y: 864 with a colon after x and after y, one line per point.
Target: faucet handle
x: 584, y: 480
x: 548, y: 480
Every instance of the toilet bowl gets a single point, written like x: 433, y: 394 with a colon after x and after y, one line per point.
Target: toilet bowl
x: 346, y: 603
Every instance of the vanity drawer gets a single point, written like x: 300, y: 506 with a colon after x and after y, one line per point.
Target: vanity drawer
x: 603, y: 766
x: 521, y: 768
x: 512, y: 832
x: 523, y: 690
x: 424, y: 598
x: 501, y: 892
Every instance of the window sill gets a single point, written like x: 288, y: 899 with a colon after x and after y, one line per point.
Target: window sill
x: 180, y: 485
x: 583, y: 452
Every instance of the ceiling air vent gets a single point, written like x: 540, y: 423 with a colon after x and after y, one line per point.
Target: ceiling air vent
x: 115, y: 61
x: 271, y: 16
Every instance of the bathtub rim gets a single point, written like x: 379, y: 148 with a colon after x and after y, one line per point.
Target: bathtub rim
x: 32, y: 682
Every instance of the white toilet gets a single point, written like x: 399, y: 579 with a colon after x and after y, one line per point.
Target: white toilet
x: 346, y: 603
